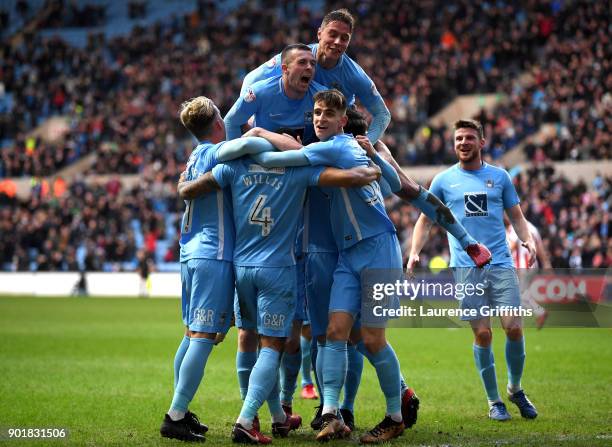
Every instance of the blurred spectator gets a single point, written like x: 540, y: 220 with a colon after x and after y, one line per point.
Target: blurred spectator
x: 122, y: 94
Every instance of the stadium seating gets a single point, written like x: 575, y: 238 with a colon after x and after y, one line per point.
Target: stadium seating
x: 118, y: 86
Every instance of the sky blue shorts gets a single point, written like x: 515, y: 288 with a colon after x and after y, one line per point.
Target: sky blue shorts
x: 381, y: 252
x: 493, y: 286
x: 206, y: 296
x: 300, y: 308
x: 266, y: 299
x: 319, y: 273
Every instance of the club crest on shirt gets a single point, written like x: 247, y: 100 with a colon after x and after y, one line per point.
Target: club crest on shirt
x: 307, y: 117
x: 249, y: 96
x: 475, y: 204
x: 490, y: 183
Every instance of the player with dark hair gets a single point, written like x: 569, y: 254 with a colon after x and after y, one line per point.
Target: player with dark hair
x: 479, y: 194
x: 334, y: 69
x: 282, y: 101
x: 366, y: 239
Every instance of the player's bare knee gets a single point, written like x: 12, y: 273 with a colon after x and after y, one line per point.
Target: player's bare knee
x: 483, y: 336
x: 337, y: 330
x: 247, y: 340
x: 339, y: 326
x: 276, y: 343
x: 373, y: 340
x: 336, y: 333
x: 374, y: 345
x: 208, y: 335
x: 514, y: 333
x: 292, y: 345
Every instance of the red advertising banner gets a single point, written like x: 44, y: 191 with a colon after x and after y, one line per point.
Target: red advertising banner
x: 550, y: 288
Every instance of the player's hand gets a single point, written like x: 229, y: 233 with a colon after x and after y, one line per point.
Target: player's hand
x: 254, y: 132
x: 413, y: 262
x: 366, y: 175
x: 183, y: 177
x: 366, y: 145
x: 530, y: 245
x: 296, y: 138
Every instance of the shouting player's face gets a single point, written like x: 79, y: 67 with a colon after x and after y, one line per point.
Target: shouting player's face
x: 333, y: 42
x: 468, y: 146
x: 327, y: 121
x: 298, y: 72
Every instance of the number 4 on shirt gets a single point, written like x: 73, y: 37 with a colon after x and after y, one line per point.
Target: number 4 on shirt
x: 260, y: 215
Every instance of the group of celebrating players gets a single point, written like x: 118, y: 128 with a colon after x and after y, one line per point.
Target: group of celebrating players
x: 282, y: 221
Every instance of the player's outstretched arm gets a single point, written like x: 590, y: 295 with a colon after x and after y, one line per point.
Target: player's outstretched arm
x: 281, y: 159
x: 349, y: 178
x: 192, y: 189
x: 409, y: 189
x: 388, y: 172
x: 233, y: 149
x: 420, y: 235
x: 522, y: 231
x: 279, y: 141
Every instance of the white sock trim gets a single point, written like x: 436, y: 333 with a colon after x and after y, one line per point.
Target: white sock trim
x: 176, y: 415
x: 328, y: 409
x: 246, y: 423
x: 397, y: 417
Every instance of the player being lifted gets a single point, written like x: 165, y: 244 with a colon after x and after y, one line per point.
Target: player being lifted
x: 282, y: 101
x: 480, y: 193
x: 334, y: 69
x: 267, y: 205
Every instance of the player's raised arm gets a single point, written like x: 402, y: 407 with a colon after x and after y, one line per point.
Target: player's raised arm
x: 374, y: 103
x: 348, y: 178
x: 192, y: 189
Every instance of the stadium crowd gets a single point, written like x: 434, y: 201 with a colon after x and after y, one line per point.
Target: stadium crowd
x: 46, y: 232
x: 126, y: 90
x: 87, y: 227
x: 121, y: 98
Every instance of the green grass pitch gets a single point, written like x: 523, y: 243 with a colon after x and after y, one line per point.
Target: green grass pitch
x: 103, y: 369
